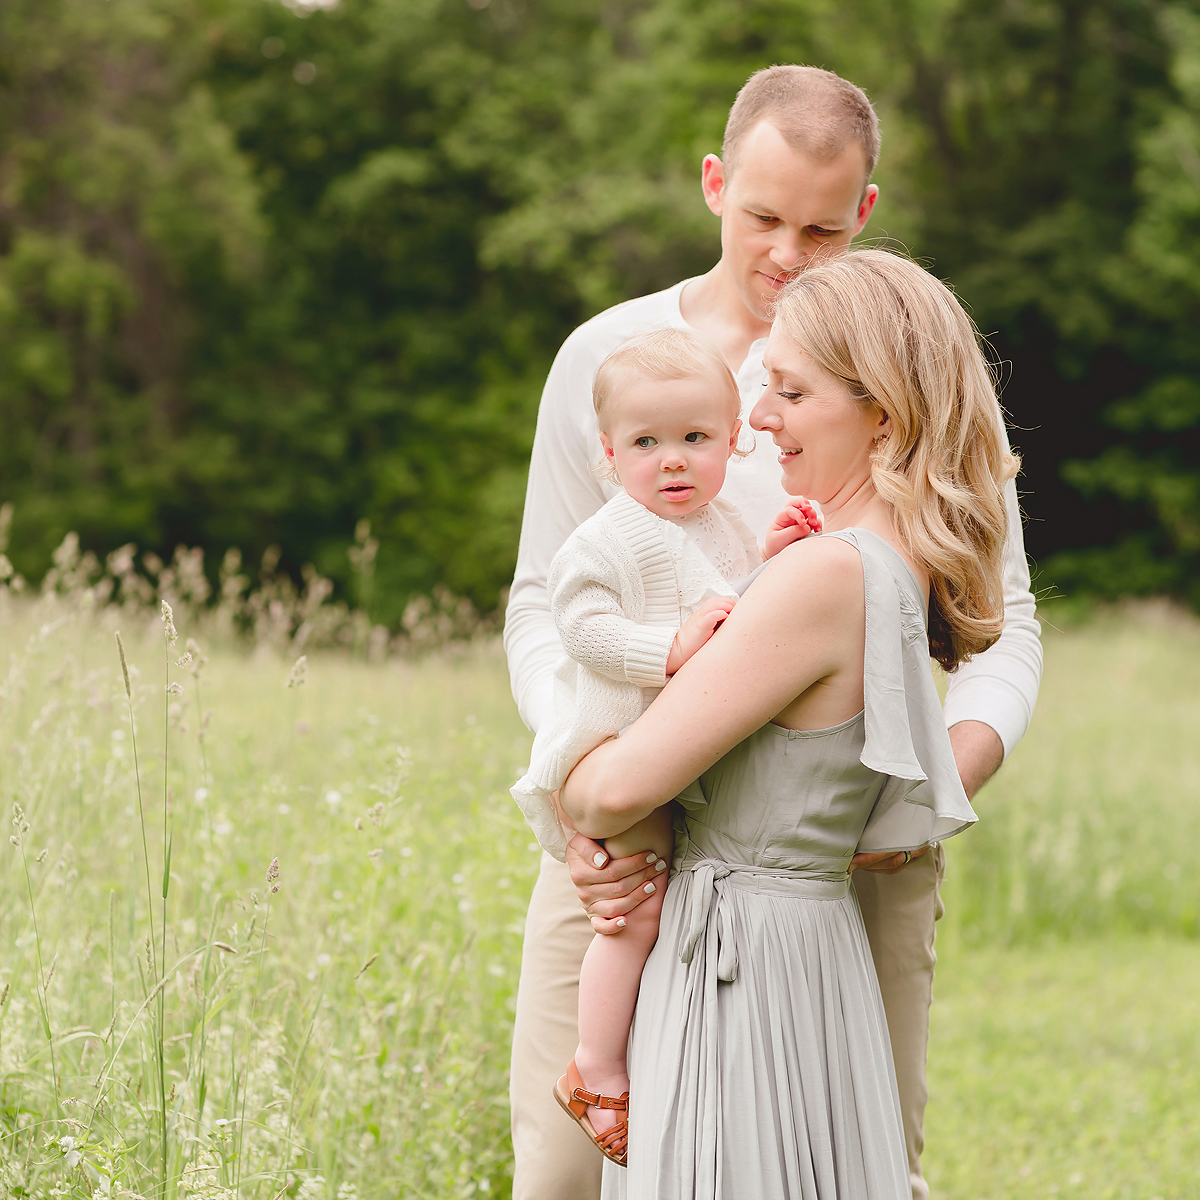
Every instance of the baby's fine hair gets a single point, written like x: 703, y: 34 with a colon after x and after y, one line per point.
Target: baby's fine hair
x: 662, y: 354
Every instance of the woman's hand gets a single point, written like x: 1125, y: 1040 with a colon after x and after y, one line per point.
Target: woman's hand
x: 610, y: 888
x: 887, y: 863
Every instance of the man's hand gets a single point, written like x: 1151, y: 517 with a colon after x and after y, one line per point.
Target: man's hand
x: 697, y: 629
x: 797, y: 521
x: 888, y: 863
x: 610, y: 888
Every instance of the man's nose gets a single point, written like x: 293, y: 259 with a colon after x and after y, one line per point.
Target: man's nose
x: 788, y: 252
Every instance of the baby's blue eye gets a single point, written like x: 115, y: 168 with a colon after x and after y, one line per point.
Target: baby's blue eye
x: 644, y: 443
x: 695, y: 437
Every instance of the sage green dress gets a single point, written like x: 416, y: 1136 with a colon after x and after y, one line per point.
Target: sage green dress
x: 759, y: 1061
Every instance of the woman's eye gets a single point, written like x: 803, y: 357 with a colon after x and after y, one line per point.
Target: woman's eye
x: 696, y: 437
x: 790, y: 395
x: 644, y: 443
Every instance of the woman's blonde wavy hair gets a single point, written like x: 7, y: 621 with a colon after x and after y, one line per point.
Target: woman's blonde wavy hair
x: 898, y: 338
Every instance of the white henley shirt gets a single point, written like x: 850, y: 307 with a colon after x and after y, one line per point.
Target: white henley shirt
x: 998, y: 687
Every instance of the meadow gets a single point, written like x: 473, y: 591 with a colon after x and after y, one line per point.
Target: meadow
x: 320, y: 1004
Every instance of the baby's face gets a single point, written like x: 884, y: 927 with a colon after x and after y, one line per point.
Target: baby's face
x: 671, y: 441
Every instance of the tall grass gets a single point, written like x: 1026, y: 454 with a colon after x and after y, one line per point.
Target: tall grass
x: 295, y: 976
x: 1090, y: 826
x: 314, y: 1000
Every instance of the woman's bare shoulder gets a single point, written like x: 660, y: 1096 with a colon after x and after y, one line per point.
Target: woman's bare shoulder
x: 822, y: 577
x: 829, y: 565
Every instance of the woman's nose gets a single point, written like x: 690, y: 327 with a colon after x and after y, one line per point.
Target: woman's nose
x: 764, y: 417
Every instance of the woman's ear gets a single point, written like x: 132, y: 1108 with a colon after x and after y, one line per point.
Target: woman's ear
x: 883, y: 426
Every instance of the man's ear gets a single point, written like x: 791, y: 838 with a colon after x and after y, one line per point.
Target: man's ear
x: 712, y: 183
x: 866, y: 207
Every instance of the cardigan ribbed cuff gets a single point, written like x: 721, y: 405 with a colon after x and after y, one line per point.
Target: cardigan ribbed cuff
x: 646, y: 656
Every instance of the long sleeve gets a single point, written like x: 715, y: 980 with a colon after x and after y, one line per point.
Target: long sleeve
x: 562, y: 493
x: 1000, y: 686
x: 590, y: 618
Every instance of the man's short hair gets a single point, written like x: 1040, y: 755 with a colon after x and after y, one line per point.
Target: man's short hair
x: 816, y: 111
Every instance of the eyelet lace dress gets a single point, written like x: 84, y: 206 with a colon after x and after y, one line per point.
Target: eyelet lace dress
x: 760, y: 1065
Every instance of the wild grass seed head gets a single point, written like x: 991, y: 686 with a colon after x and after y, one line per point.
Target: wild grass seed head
x: 168, y: 620
x: 273, y: 875
x: 22, y: 825
x: 124, y: 666
x: 299, y: 671
x: 194, y: 657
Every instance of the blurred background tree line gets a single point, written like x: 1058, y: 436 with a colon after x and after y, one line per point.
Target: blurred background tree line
x: 267, y: 271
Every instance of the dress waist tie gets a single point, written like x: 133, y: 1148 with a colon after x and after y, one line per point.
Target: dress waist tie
x: 708, y: 899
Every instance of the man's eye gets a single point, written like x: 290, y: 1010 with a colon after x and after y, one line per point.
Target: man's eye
x: 764, y: 219
x: 696, y: 437
x: 816, y: 229
x: 644, y: 443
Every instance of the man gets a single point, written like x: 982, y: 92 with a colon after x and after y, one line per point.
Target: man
x: 792, y: 184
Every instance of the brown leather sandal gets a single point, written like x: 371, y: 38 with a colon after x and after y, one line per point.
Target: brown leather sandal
x: 575, y: 1100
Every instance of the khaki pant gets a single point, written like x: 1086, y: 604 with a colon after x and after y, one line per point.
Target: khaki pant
x: 554, y: 1160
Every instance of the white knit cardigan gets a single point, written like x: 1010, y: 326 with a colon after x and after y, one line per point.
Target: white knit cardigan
x: 620, y: 588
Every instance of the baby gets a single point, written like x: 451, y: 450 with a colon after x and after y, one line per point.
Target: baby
x: 635, y: 591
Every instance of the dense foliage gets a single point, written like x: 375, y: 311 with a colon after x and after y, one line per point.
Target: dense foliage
x: 268, y: 271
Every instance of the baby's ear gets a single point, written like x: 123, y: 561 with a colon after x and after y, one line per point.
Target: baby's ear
x: 734, y: 434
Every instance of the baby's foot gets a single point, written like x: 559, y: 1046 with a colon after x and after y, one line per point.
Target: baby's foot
x: 605, y: 1081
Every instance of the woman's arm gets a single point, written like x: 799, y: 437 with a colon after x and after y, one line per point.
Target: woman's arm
x: 798, y: 632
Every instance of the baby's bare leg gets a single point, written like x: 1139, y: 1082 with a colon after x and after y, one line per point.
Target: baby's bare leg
x: 612, y: 973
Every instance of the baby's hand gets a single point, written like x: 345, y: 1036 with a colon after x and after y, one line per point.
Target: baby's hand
x: 796, y: 521
x: 697, y: 629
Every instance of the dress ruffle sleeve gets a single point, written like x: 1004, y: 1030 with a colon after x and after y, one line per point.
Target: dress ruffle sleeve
x: 922, y: 800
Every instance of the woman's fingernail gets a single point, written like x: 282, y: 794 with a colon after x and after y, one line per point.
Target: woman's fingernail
x: 620, y: 922
x: 599, y: 859
x: 651, y: 857
x: 660, y: 865
x: 648, y: 888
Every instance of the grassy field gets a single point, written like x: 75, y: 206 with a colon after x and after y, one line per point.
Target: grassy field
x: 346, y: 1035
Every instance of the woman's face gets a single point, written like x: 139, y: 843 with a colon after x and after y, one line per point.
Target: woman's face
x: 823, y: 433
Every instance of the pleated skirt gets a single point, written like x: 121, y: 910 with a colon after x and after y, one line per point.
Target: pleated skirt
x: 760, y: 1069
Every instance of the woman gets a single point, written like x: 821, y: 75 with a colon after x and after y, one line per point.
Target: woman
x: 759, y: 1061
